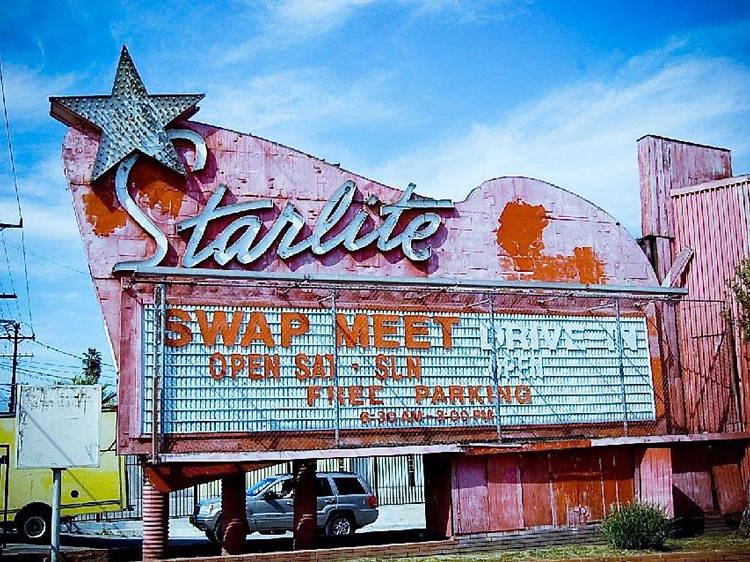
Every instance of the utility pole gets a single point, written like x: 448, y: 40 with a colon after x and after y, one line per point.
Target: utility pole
x: 13, y: 378
x: 15, y: 335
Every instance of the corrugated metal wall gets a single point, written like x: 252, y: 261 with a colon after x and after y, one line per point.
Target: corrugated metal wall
x: 714, y: 220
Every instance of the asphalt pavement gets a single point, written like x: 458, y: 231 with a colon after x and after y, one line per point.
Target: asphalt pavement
x: 122, y: 539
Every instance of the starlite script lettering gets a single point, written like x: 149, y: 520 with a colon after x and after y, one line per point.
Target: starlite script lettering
x: 240, y: 240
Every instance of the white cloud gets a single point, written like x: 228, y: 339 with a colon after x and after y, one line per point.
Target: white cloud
x: 27, y: 90
x: 583, y: 137
x: 290, y: 106
x: 466, y: 12
x: 286, y: 22
x: 44, y: 179
x: 43, y: 220
x: 314, y: 16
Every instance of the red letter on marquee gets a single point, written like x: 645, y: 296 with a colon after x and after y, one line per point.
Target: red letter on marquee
x: 293, y: 324
x: 218, y: 325
x: 217, y: 375
x: 357, y: 335
x: 185, y: 335
x: 257, y: 329
x: 313, y: 393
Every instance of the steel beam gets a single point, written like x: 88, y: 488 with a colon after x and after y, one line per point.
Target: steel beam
x: 161, y: 272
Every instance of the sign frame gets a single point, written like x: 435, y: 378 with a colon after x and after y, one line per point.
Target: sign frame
x: 42, y: 441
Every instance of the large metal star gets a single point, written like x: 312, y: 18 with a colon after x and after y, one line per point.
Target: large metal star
x: 130, y: 119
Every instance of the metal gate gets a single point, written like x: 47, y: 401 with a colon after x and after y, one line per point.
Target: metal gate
x: 395, y: 480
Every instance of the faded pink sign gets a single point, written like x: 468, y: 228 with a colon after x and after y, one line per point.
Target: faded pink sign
x: 509, y: 228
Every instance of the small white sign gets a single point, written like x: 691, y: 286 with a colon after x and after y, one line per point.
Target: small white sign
x: 58, y: 426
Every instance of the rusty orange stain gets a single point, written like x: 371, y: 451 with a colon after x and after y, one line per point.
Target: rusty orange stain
x: 520, y: 232
x: 103, y: 212
x: 590, y: 268
x: 520, y: 235
x: 154, y: 186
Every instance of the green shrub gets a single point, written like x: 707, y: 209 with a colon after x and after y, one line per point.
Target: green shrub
x: 636, y: 526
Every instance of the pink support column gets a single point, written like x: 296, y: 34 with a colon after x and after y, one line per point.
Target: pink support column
x: 233, y: 515
x: 305, y: 504
x: 437, y: 491
x: 155, y: 522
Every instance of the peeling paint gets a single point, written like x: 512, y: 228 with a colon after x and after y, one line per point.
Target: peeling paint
x: 154, y: 189
x: 520, y: 236
x: 103, y: 212
x: 520, y: 232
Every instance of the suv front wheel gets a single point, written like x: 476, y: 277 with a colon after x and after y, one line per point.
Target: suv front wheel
x: 340, y: 524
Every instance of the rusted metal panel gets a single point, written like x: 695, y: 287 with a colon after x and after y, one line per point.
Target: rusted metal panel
x: 665, y: 164
x: 617, y: 470
x: 655, y: 478
x: 730, y: 493
x: 472, y: 514
x: 577, y: 487
x: 438, y: 505
x: 559, y: 488
x: 536, y: 486
x: 505, y: 494
x: 665, y: 167
x: 691, y: 477
x: 711, y: 219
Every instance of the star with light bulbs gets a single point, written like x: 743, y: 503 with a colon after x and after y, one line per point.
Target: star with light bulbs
x: 130, y: 119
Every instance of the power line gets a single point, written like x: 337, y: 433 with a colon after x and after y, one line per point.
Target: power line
x: 46, y: 376
x: 37, y: 371
x: 18, y: 199
x: 43, y: 258
x: 10, y: 273
x: 105, y: 377
x: 68, y: 353
x: 38, y: 374
x: 10, y: 144
x: 3, y: 305
x: 26, y: 277
x: 62, y: 366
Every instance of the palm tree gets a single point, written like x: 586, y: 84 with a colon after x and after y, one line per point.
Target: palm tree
x: 92, y: 372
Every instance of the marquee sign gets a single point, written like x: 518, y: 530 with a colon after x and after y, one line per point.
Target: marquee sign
x: 238, y: 221
x: 230, y: 369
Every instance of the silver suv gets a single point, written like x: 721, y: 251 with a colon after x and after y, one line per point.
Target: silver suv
x: 345, y: 503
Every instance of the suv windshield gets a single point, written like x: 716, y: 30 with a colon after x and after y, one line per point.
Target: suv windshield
x: 258, y: 486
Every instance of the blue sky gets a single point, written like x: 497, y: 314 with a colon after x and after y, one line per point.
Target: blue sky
x: 443, y: 93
